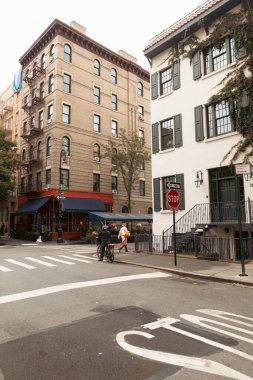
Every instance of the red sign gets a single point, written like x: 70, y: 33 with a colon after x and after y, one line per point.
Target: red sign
x: 173, y: 199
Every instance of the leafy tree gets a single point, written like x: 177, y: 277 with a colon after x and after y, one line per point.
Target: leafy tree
x: 9, y: 162
x: 127, y: 153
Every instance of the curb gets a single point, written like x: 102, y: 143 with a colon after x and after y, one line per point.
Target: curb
x: 190, y: 274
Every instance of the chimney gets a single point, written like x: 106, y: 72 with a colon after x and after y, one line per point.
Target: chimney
x: 78, y: 27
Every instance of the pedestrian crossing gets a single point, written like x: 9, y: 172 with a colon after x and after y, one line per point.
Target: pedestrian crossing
x: 67, y: 257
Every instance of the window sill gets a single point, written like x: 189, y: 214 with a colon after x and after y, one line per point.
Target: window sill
x: 206, y: 76
x: 164, y: 95
x: 167, y: 150
x: 224, y: 136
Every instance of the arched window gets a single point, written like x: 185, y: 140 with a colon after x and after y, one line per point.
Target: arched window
x: 140, y: 89
x: 66, y: 145
x: 39, y: 151
x: 114, y: 76
x: 150, y: 210
x: 96, y: 152
x: 96, y: 67
x: 124, y: 209
x: 31, y: 152
x: 43, y: 61
x: 114, y: 154
x: 67, y: 53
x: 49, y: 146
x: 51, y: 52
x: 23, y: 155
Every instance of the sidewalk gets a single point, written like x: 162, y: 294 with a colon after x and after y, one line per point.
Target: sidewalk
x: 187, y: 266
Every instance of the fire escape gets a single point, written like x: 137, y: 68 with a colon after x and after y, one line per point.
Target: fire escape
x: 32, y: 129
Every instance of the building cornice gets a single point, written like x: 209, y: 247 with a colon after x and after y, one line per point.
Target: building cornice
x: 57, y: 27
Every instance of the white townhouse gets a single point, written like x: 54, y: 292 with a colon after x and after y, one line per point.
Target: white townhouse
x: 191, y: 135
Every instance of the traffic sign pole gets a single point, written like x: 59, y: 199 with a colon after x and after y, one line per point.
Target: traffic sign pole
x: 174, y: 238
x: 173, y: 199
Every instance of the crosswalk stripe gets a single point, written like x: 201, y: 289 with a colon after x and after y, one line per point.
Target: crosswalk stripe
x: 73, y: 258
x: 4, y: 269
x: 86, y: 257
x: 20, y: 264
x: 58, y: 260
x: 40, y: 262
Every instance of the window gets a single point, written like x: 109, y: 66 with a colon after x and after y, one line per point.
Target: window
x: 50, y: 113
x: 49, y: 146
x: 23, y: 155
x: 142, y: 188
x: 51, y: 52
x: 114, y: 184
x: 96, y: 123
x: 142, y: 163
x: 166, y: 84
x: 173, y: 178
x: 96, y: 95
x: 38, y: 181
x: 124, y: 210
x: 39, y: 151
x: 150, y: 210
x: 30, y: 182
x: 66, y: 145
x: 114, y: 128
x: 64, y: 177
x: 167, y: 134
x: 51, y: 83
x: 48, y: 177
x: 114, y: 155
x: 67, y: 83
x: 141, y: 134
x: 66, y: 113
x: 96, y: 152
x: 42, y: 90
x: 43, y: 61
x: 96, y: 67
x: 114, y: 76
x: 114, y: 102
x: 141, y: 112
x: 96, y: 182
x: 220, y: 55
x: 32, y: 122
x: 67, y: 53
x: 40, y: 120
x: 22, y: 185
x: 219, y: 119
x: 31, y: 152
x: 25, y: 128
x: 140, y: 89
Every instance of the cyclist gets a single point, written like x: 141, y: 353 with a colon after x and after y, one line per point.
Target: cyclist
x: 103, y: 238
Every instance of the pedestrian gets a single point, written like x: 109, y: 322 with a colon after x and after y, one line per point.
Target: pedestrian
x: 81, y: 231
x: 2, y: 229
x: 123, y: 235
x: 104, y: 238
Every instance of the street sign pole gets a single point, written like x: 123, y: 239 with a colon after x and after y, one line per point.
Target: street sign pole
x: 239, y: 214
x: 173, y: 199
x: 174, y: 238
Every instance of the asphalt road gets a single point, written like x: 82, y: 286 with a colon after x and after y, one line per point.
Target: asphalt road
x: 66, y: 316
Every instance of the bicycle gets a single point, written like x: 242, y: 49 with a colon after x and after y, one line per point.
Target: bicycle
x: 108, y: 253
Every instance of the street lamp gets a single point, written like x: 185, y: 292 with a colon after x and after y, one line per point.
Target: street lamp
x: 63, y: 154
x: 199, y: 178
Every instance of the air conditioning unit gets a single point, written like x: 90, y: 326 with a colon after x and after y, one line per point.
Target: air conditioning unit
x: 49, y: 120
x: 96, y: 158
x: 114, y: 134
x: 48, y: 186
x: 141, y: 117
x: 114, y: 191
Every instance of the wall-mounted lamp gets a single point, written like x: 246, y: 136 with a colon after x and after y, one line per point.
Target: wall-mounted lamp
x: 199, y: 178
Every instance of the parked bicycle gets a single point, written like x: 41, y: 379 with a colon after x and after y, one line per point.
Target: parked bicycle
x: 109, y: 252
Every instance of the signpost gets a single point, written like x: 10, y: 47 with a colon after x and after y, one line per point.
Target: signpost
x: 173, y: 200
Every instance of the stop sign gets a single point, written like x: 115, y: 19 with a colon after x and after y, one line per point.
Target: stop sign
x: 173, y: 199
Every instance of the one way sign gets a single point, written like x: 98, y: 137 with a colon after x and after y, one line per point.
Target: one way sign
x: 173, y: 185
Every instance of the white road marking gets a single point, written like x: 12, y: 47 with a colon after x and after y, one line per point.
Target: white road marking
x: 40, y: 262
x: 221, y: 314
x: 86, y: 257
x: 77, y: 285
x: 74, y: 258
x: 4, y: 269
x: 58, y: 260
x: 203, y: 365
x: 27, y: 266
x: 30, y: 244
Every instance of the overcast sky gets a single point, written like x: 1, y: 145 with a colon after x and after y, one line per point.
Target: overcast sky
x: 116, y: 24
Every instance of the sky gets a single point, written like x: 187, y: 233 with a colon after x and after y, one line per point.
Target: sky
x: 116, y: 24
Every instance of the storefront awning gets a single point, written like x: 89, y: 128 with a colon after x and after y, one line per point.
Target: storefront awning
x: 82, y: 205
x: 32, y: 206
x: 122, y: 217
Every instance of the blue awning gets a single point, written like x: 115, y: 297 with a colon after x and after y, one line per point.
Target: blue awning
x: 82, y: 205
x: 32, y: 206
x: 122, y: 217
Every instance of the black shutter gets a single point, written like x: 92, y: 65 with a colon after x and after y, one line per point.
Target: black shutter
x: 196, y: 65
x: 180, y: 179
x: 154, y: 86
x: 178, y: 131
x: 155, y: 138
x: 157, y: 195
x: 176, y: 75
x: 198, y: 115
